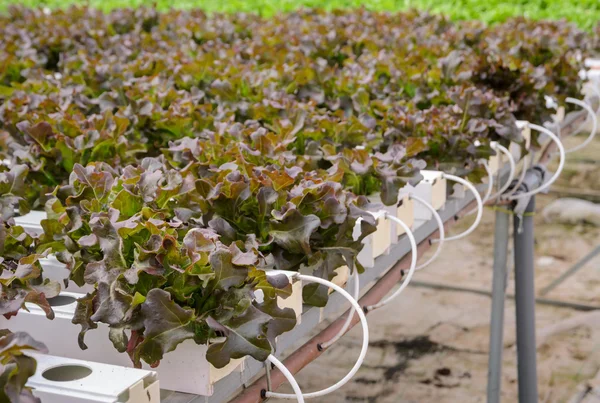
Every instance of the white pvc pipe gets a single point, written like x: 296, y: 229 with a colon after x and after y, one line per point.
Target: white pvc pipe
x: 511, y: 173
x: 561, y: 164
x: 363, y: 350
x: 290, y: 378
x: 441, y: 230
x: 591, y: 112
x: 411, y: 270
x: 472, y: 188
x: 344, y: 329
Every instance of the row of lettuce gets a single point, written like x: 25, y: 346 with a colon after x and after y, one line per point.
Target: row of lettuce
x: 178, y: 155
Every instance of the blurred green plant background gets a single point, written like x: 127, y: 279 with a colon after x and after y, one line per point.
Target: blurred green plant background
x: 585, y: 13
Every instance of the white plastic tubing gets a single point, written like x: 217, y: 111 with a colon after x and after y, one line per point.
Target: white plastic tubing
x: 411, y: 270
x: 441, y: 230
x: 561, y: 164
x: 472, y: 188
x: 488, y: 192
x: 299, y: 396
x: 344, y: 329
x: 511, y: 174
x: 356, y: 280
x: 592, y: 114
x: 290, y: 378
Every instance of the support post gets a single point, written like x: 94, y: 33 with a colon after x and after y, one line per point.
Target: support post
x: 574, y: 269
x: 525, y: 304
x: 499, y: 281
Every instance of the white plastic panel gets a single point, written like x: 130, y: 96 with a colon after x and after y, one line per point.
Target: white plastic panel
x: 293, y: 301
x: 495, y: 162
x: 377, y: 243
x: 66, y: 380
x: 591, y: 63
x: 57, y: 271
x: 432, y: 189
x: 376, y: 198
x: 405, y: 210
x: 31, y: 221
x: 342, y: 274
x: 184, y: 370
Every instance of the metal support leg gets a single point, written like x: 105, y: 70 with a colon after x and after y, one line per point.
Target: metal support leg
x: 525, y: 304
x: 497, y: 315
x: 574, y: 269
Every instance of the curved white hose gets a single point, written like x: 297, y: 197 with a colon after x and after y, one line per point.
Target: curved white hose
x: 411, y: 270
x: 344, y: 329
x: 290, y: 378
x: 363, y: 350
x: 561, y: 164
x: 472, y: 188
x: 511, y: 172
x: 490, y: 187
x: 441, y: 230
x: 591, y: 112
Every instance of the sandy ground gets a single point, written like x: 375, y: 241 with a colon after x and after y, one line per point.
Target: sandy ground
x: 432, y: 345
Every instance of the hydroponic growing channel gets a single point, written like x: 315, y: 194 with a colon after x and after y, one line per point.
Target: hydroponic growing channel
x: 186, y: 193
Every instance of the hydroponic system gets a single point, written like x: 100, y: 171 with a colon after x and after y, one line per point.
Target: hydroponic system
x: 183, y: 196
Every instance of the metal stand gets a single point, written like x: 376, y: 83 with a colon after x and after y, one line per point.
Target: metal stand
x: 525, y: 304
x: 524, y: 293
x: 572, y: 270
x: 500, y: 277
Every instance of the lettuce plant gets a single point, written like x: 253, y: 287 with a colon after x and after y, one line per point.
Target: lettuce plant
x: 21, y: 279
x: 80, y: 86
x: 194, y: 244
x: 16, y: 367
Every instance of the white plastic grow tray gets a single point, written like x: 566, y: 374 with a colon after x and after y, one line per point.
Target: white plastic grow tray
x: 65, y: 380
x: 31, y: 221
x: 432, y: 189
x: 592, y: 64
x: 377, y: 243
x: 57, y: 271
x: 376, y: 198
x: 405, y: 210
x: 185, y: 369
x: 495, y: 162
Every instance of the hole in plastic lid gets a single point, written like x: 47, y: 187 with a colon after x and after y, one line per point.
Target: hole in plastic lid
x: 62, y: 300
x: 66, y: 373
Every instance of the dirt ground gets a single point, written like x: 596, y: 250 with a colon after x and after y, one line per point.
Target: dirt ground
x: 432, y: 345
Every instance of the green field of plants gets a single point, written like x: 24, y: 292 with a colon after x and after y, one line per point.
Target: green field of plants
x: 585, y: 13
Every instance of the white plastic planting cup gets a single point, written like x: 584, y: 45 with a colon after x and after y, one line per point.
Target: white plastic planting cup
x: 66, y: 380
x: 495, y: 162
x: 391, y: 210
x: 377, y: 243
x: 405, y: 211
x: 293, y: 301
x: 432, y: 189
